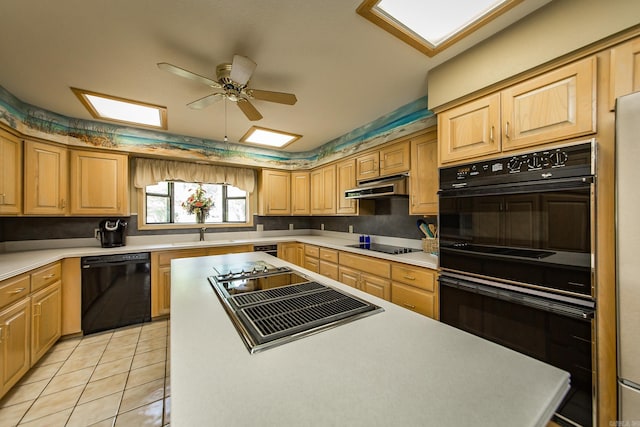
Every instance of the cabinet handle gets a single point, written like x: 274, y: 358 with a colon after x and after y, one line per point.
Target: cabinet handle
x: 49, y: 276
x: 506, y: 131
x: 63, y: 203
x: 491, y: 134
x: 37, y: 309
x: 412, y: 307
x: 2, y: 195
x: 16, y: 291
x: 409, y: 277
x: 1, y: 334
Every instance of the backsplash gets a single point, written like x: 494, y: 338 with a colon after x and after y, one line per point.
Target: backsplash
x: 391, y: 219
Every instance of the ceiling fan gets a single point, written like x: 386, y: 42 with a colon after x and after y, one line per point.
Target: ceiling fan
x: 232, y: 80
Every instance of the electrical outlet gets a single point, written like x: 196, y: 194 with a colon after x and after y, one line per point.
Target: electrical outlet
x: 96, y: 233
x: 351, y: 229
x: 259, y: 227
x: 322, y: 227
x: 290, y: 226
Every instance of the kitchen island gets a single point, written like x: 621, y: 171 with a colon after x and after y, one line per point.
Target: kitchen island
x: 391, y: 368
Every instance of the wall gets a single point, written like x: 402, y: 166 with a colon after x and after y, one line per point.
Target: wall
x: 560, y: 27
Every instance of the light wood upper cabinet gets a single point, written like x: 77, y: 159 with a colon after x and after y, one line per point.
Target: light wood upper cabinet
x: 45, y: 179
x: 15, y: 348
x: 624, y: 70
x: 423, y: 180
x: 470, y: 130
x: 390, y: 160
x: 346, y: 180
x: 274, y: 192
x: 300, y: 193
x: 10, y: 174
x: 323, y: 190
x: 99, y: 183
x: 556, y: 105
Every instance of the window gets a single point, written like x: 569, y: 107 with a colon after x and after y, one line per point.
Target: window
x: 163, y: 203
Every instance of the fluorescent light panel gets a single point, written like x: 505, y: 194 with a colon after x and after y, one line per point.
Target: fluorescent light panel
x: 123, y: 110
x: 437, y: 20
x: 269, y: 137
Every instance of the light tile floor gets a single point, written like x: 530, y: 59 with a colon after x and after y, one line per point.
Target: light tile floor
x: 116, y: 378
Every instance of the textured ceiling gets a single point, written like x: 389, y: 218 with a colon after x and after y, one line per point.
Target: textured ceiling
x: 345, y: 71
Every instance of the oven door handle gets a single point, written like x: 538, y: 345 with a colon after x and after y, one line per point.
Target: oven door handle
x: 544, y: 304
x: 520, y: 187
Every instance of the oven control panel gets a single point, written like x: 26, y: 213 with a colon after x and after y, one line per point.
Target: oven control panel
x: 562, y: 162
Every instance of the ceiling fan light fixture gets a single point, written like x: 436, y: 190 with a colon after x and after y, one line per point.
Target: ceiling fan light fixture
x: 269, y: 137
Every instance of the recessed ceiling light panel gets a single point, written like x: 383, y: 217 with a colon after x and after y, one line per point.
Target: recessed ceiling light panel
x: 269, y: 137
x: 121, y: 110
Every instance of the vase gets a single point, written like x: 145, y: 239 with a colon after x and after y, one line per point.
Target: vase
x: 200, y: 216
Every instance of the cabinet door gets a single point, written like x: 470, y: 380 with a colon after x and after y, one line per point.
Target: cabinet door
x: 312, y: 264
x: 556, y: 105
x: 10, y: 174
x: 99, y: 183
x: 45, y: 179
x: 470, y: 130
x: 323, y: 190
x: 624, y: 70
x: 346, y: 180
x: 423, y: 179
x: 367, y: 166
x: 376, y: 286
x: 300, y: 193
x: 329, y: 269
x: 14, y: 344
x: 46, y: 323
x: 412, y: 298
x: 349, y: 276
x: 395, y: 159
x: 163, y: 297
x: 275, y: 193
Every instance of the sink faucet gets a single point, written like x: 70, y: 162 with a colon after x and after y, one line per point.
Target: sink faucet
x: 202, y: 231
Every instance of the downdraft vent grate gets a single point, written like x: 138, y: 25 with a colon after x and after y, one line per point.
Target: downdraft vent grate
x: 250, y: 298
x: 275, y: 319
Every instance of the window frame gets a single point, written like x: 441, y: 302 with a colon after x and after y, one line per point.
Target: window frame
x: 142, y: 212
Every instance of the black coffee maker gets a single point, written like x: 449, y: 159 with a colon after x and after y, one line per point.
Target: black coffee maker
x: 113, y: 232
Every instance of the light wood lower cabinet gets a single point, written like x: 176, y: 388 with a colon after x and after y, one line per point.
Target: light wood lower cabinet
x: 161, y: 272
x: 415, y: 288
x: 365, y: 273
x: 292, y: 252
x: 15, y: 337
x: 46, y: 319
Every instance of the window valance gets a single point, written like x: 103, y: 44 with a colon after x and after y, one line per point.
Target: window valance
x: 152, y: 171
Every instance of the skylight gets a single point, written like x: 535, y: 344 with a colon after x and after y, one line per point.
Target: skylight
x: 122, y: 110
x: 269, y: 137
x: 432, y: 25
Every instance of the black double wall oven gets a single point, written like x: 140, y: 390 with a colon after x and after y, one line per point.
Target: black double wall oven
x: 517, y: 259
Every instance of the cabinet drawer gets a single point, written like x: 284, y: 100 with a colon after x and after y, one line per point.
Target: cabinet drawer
x: 13, y: 289
x: 312, y: 251
x: 414, y: 276
x: 330, y: 255
x: 165, y: 257
x: 311, y: 263
x: 329, y: 269
x: 365, y: 263
x: 45, y: 276
x: 412, y: 298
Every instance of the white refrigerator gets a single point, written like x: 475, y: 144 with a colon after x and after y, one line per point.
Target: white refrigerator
x: 628, y: 254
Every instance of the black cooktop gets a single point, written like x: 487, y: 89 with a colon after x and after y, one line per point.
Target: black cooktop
x: 387, y: 249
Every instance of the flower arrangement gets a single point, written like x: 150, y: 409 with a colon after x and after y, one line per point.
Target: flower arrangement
x: 198, y: 203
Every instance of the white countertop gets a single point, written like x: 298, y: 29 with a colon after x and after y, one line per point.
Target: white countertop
x: 14, y: 263
x: 393, y: 368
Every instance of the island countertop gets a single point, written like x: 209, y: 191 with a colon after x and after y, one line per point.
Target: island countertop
x: 391, y: 368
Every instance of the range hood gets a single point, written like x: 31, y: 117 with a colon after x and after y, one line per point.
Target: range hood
x: 395, y: 185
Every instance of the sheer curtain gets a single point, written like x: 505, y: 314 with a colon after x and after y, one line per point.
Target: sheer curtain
x: 152, y: 171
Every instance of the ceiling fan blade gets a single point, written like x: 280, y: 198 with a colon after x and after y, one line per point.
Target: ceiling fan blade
x: 201, y: 103
x: 188, y: 74
x: 279, y: 97
x: 241, y: 69
x: 249, y: 110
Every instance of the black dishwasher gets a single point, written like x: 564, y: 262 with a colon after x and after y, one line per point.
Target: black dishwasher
x: 116, y: 291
